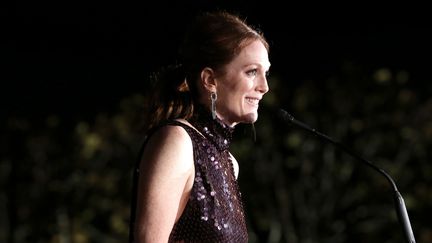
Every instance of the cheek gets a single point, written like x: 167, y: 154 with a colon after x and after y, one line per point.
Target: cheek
x: 235, y: 94
x: 234, y: 90
x: 241, y: 87
x: 244, y: 88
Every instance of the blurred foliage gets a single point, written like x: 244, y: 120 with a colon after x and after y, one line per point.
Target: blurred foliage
x: 301, y: 189
x: 69, y: 179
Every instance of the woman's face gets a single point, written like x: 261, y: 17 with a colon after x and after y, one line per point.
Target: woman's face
x: 243, y: 85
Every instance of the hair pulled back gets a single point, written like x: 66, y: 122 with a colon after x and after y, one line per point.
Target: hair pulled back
x: 213, y: 41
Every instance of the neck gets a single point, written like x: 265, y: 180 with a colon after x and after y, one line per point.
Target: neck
x: 215, y: 130
x: 226, y: 122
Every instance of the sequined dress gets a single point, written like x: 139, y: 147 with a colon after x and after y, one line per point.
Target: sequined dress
x: 214, y: 212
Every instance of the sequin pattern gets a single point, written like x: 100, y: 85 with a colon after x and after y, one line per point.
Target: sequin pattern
x: 214, y: 212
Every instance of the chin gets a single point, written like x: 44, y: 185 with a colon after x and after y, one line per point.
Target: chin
x: 250, y: 117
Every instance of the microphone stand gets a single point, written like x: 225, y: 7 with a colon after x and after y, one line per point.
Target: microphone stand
x: 400, y: 204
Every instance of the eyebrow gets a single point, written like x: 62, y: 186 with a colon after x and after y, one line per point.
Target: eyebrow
x: 257, y: 64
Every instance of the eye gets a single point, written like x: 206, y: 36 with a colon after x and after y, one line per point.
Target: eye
x: 252, y: 72
x: 267, y: 73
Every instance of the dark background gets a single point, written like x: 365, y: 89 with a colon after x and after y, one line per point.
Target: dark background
x: 99, y: 52
x: 71, y: 118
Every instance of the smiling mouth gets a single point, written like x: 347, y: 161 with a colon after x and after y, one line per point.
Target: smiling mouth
x: 252, y: 101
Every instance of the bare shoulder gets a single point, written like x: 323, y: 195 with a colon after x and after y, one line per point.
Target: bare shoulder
x: 170, y: 135
x: 190, y: 125
x: 165, y: 181
x: 170, y: 145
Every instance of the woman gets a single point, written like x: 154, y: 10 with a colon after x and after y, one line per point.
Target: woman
x: 186, y: 181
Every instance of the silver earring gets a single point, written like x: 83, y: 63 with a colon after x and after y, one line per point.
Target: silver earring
x: 213, y: 97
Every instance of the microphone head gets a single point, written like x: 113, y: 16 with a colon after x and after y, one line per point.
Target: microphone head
x: 284, y: 115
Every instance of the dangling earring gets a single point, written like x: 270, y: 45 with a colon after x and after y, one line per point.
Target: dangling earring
x: 213, y: 97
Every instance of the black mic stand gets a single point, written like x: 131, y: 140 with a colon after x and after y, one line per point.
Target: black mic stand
x: 400, y: 204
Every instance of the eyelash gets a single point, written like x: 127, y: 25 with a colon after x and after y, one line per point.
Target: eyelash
x: 254, y: 72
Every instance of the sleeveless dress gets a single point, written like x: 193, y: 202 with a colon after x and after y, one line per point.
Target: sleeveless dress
x: 214, y: 211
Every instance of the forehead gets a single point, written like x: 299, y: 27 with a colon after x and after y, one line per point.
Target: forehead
x: 254, y: 53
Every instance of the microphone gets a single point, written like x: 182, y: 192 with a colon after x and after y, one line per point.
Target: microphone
x: 400, y: 204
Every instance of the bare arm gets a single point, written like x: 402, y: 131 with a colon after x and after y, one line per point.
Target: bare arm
x: 166, y: 179
x: 235, y: 165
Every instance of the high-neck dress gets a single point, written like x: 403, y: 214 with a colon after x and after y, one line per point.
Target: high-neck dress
x: 214, y: 212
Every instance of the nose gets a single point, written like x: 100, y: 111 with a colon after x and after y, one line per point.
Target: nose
x: 262, y: 85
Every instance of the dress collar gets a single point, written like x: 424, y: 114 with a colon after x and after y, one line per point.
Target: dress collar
x: 213, y: 129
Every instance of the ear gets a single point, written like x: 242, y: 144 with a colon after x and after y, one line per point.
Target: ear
x: 208, y: 79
